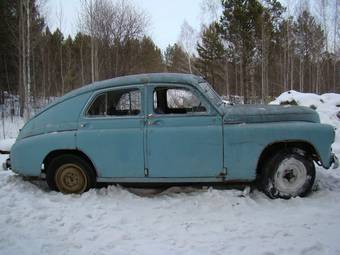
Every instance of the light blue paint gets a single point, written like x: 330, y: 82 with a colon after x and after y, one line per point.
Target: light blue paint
x: 27, y: 154
x: 198, y: 147
x: 115, y: 144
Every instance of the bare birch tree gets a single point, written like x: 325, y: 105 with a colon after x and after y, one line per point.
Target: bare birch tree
x: 112, y: 23
x: 187, y: 40
x: 24, y: 53
x: 210, y: 11
x: 60, y: 17
x: 336, y: 34
x: 28, y: 60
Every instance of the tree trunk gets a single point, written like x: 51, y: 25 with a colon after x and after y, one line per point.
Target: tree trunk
x: 189, y: 63
x: 236, y: 80
x: 61, y: 68
x: 335, y: 42
x: 82, y: 63
x: 92, y: 42
x: 28, y: 63
x: 96, y: 61
x: 227, y: 79
x: 263, y: 92
x: 23, y: 59
x: 301, y: 75
x: 241, y: 78
x: 43, y: 73
x: 291, y: 66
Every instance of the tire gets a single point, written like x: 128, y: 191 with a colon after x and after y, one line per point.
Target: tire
x: 70, y: 174
x: 288, y: 173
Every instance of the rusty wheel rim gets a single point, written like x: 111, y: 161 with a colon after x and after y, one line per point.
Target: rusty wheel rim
x: 70, y: 178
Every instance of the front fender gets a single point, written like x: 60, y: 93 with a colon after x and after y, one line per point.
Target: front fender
x: 27, y: 154
x: 244, y: 143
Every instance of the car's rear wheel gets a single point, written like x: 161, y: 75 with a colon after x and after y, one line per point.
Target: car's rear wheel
x: 70, y: 174
x: 288, y: 173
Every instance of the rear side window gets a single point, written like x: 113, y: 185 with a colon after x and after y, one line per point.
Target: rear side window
x: 125, y: 102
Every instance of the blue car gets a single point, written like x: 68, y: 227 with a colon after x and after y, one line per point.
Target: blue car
x: 170, y: 128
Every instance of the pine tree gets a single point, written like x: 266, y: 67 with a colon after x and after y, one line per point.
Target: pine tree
x: 240, y: 28
x: 150, y: 56
x: 8, y: 49
x: 211, y: 55
x: 176, y: 59
x: 309, y: 44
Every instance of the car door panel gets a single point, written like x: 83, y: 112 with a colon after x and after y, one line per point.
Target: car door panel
x: 183, y: 145
x: 179, y: 147
x: 114, y: 144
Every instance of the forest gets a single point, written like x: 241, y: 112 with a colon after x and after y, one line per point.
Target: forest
x: 252, y: 49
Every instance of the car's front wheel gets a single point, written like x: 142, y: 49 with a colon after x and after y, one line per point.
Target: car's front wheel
x: 288, y: 173
x: 70, y: 174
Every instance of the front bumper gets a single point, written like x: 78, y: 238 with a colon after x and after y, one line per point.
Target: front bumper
x: 7, y: 164
x: 334, y: 161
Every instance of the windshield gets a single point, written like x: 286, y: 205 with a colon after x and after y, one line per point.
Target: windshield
x: 211, y: 93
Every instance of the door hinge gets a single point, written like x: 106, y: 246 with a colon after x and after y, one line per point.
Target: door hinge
x: 146, y: 172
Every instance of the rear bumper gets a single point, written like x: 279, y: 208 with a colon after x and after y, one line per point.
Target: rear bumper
x: 7, y: 164
x: 334, y: 161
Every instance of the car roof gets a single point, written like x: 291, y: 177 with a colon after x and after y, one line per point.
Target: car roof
x: 137, y: 79
x: 130, y: 80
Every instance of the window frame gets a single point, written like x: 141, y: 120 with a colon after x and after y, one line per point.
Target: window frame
x: 152, y: 87
x: 98, y: 93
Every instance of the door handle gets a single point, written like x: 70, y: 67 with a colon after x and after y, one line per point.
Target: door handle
x: 83, y: 125
x: 154, y: 122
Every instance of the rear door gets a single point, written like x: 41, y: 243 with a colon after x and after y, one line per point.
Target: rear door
x: 183, y: 133
x: 111, y: 132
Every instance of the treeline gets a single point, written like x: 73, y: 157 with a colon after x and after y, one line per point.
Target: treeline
x: 65, y: 64
x: 37, y: 63
x: 254, y: 50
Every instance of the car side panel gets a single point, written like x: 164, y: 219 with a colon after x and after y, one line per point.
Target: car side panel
x: 28, y: 154
x: 114, y: 145
x: 244, y: 143
x: 187, y: 145
x: 53, y: 129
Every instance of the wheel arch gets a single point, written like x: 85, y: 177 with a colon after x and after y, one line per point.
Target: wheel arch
x: 53, y: 154
x: 272, y: 148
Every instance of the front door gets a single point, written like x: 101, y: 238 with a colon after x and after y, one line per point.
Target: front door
x: 111, y: 132
x: 183, y: 134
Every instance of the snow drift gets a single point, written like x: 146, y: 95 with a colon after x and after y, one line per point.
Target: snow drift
x: 327, y: 105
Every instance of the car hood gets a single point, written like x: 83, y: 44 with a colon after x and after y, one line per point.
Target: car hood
x: 268, y: 113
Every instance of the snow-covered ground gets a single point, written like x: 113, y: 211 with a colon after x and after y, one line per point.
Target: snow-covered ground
x: 115, y: 220
x: 9, y: 129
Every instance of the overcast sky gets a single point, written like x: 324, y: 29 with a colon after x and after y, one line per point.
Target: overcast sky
x: 166, y: 17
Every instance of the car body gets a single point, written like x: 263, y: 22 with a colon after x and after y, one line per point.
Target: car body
x: 165, y: 128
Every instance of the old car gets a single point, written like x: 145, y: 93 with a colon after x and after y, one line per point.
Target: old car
x: 170, y: 128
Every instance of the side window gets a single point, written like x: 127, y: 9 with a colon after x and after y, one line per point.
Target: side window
x: 98, y: 107
x: 125, y: 102
x: 176, y: 101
